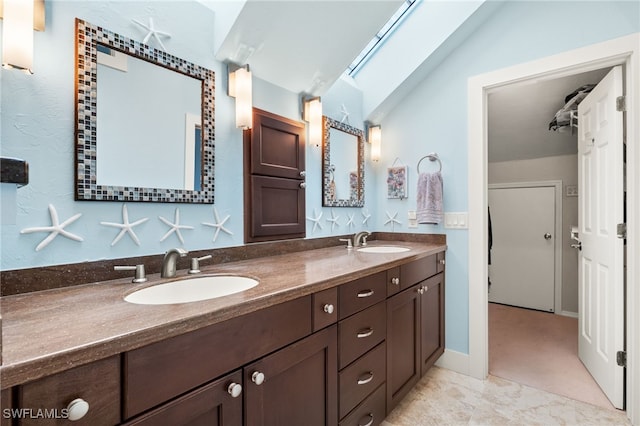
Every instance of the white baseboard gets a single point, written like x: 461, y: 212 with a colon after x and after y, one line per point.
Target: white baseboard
x: 455, y: 361
x: 569, y: 314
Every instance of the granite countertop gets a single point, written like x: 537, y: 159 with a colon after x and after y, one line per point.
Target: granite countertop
x: 50, y: 331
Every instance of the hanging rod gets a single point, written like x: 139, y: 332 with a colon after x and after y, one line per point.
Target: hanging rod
x: 432, y: 157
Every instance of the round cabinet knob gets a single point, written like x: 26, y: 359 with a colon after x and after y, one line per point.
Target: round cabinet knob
x: 421, y: 290
x: 442, y: 262
x: 77, y: 409
x: 234, y: 390
x: 395, y: 281
x: 303, y: 173
x: 328, y: 308
x: 303, y: 185
x: 547, y: 236
x: 257, y: 378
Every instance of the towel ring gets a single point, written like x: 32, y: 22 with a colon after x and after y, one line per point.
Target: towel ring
x: 432, y: 157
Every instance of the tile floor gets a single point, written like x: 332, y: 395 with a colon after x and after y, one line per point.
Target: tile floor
x: 444, y: 397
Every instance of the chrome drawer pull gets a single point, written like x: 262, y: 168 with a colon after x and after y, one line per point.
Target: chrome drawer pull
x: 365, y: 333
x: 365, y: 293
x: 367, y: 380
x: 369, y: 423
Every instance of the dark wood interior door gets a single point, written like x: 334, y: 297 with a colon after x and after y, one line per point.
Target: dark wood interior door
x: 274, y: 175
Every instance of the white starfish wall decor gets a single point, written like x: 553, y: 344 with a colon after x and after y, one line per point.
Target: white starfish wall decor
x: 366, y: 216
x: 316, y: 220
x: 55, y: 229
x: 125, y: 227
x: 350, y: 223
x: 152, y: 32
x: 333, y: 220
x: 345, y: 114
x: 392, y: 220
x: 219, y: 225
x: 175, y: 226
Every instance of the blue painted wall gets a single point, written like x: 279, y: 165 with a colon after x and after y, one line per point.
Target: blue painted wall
x: 38, y: 126
x: 38, y: 123
x: 434, y: 116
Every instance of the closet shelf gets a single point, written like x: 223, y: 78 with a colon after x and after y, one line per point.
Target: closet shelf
x: 567, y: 116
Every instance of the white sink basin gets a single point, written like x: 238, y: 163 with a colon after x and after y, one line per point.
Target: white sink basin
x: 191, y: 290
x: 383, y: 249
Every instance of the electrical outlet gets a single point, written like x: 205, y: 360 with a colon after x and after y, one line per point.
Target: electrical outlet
x: 571, y: 190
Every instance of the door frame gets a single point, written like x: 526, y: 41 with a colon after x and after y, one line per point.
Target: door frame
x: 623, y: 51
x: 557, y: 271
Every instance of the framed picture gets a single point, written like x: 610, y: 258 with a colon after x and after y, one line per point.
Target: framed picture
x: 397, y: 182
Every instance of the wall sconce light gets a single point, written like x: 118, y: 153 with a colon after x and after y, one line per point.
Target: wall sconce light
x: 375, y: 139
x: 312, y: 114
x: 240, y: 87
x: 20, y: 18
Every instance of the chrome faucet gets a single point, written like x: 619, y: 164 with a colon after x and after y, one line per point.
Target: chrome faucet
x: 170, y: 260
x: 360, y: 239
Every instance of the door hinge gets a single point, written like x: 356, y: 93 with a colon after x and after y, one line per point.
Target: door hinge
x: 622, y: 230
x: 621, y: 358
x: 621, y: 103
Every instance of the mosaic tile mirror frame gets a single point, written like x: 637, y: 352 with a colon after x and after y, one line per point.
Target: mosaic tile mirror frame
x: 355, y: 173
x: 88, y: 38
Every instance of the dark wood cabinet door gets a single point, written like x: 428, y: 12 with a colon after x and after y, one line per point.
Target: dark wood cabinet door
x: 274, y: 178
x: 277, y: 146
x: 432, y: 321
x: 403, y: 344
x: 210, y: 405
x: 6, y: 402
x: 298, y: 386
x: 278, y: 207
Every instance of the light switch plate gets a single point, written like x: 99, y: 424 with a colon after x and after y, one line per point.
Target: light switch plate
x: 456, y: 220
x: 412, y: 219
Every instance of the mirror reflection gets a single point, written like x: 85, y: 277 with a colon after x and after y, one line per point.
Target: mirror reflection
x: 145, y: 129
x: 343, y: 165
x: 128, y: 131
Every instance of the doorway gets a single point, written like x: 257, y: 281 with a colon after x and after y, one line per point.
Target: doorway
x: 622, y: 51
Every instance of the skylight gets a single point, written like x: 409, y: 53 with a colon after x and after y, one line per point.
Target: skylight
x: 385, y: 31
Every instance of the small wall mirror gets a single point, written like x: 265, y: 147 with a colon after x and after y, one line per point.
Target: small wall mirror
x: 144, y: 122
x: 343, y: 165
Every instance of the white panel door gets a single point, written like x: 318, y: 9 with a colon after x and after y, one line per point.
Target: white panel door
x: 600, y: 275
x: 522, y: 269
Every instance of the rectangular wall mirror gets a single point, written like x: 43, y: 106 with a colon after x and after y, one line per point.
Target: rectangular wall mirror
x: 342, y: 165
x: 144, y: 122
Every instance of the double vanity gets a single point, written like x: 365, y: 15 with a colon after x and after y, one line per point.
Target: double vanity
x: 325, y: 336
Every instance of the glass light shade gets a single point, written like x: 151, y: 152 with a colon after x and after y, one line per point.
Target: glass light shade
x: 243, y: 94
x: 313, y: 115
x: 375, y: 138
x: 17, y: 35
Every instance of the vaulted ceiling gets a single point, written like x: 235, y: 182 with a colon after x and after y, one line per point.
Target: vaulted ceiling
x: 304, y: 46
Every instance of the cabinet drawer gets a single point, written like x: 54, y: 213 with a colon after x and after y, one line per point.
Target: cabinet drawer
x: 97, y: 383
x: 361, y: 378
x: 211, y: 404
x: 371, y: 412
x: 416, y: 271
x: 161, y: 371
x: 325, y: 308
x: 361, y: 332
x: 362, y: 293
